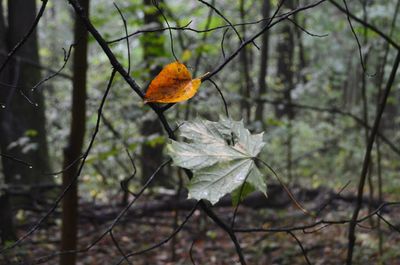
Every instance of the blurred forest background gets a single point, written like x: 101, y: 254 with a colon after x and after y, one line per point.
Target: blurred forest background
x: 313, y: 83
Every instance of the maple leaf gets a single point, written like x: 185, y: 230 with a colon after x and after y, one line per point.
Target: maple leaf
x: 218, y: 167
x: 173, y: 84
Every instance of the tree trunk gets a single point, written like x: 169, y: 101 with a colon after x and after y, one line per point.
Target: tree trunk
x: 7, y: 231
x: 76, y: 138
x: 244, y: 62
x: 153, y: 48
x: 262, y: 84
x: 301, y: 77
x: 22, y: 121
x: 285, y: 51
x: 22, y: 118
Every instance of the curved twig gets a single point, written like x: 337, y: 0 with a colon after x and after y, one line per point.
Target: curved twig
x: 26, y: 36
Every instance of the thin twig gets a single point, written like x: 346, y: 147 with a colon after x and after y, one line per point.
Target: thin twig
x: 367, y: 159
x: 301, y: 247
x: 73, y: 180
x: 126, y: 34
x: 119, y: 248
x: 173, y: 234
x: 356, y: 38
x: 26, y: 36
x: 222, y: 96
x: 12, y: 158
x: 116, y: 220
x: 66, y: 58
x: 169, y: 29
x: 288, y: 192
x: 223, y: 17
x: 366, y: 24
x: 191, y: 252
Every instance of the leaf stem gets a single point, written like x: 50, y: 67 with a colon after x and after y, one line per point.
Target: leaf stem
x: 289, y: 193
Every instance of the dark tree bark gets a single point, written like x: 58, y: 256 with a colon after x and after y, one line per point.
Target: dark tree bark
x: 76, y: 138
x: 262, y: 84
x: 392, y: 109
x: 244, y: 62
x: 20, y: 118
x: 285, y: 75
x: 153, y: 48
x: 285, y: 51
x: 301, y: 77
x: 7, y: 231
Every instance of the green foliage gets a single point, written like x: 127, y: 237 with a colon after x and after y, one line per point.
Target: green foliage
x: 31, y: 133
x: 241, y: 192
x: 221, y: 156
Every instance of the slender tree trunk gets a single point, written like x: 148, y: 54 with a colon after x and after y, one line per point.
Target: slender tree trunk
x: 364, y: 99
x: 285, y: 52
x: 301, y: 77
x: 379, y: 82
x: 153, y: 48
x: 76, y: 138
x: 244, y: 62
x: 262, y: 84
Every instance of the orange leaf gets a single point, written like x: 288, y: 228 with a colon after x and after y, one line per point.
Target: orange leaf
x: 173, y: 84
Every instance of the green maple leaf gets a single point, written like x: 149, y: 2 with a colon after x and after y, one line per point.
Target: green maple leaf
x: 221, y: 156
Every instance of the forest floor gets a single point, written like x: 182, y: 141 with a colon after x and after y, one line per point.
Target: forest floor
x: 201, y: 242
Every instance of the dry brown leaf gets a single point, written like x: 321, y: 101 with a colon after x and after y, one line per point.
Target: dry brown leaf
x: 173, y: 84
